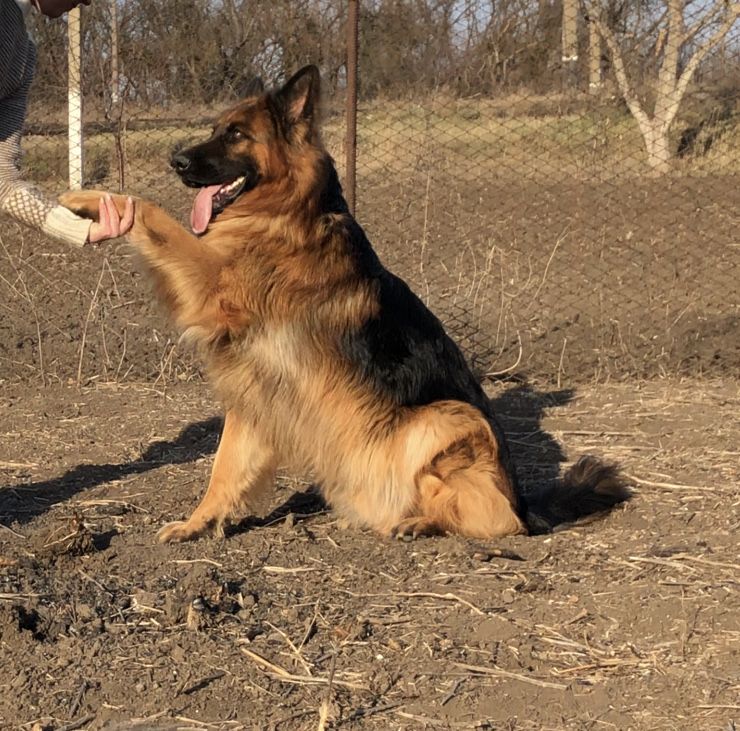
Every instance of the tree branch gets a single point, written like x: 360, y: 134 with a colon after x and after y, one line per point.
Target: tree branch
x: 733, y: 13
x: 706, y: 20
x: 628, y: 93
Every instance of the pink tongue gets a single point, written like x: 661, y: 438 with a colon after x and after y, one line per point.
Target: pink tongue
x: 200, y: 215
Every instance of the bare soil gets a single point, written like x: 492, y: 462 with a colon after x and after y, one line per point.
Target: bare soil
x: 576, y: 280
x: 629, y: 622
x: 578, y: 290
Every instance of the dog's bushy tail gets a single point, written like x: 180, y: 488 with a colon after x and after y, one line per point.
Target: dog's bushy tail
x: 589, y: 488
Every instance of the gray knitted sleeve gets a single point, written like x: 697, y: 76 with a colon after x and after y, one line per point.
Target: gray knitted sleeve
x: 19, y: 198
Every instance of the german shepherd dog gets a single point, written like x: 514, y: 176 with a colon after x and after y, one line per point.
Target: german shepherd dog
x: 324, y: 360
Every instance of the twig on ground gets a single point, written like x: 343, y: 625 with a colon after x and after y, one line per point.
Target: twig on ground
x: 17, y: 465
x: 453, y: 692
x: 495, y: 374
x: 77, y: 724
x: 293, y: 648
x: 428, y: 594
x: 87, y: 322
x: 286, y: 570
x: 560, y: 363
x: 559, y: 241
x: 282, y: 674
x: 484, y: 670
x: 670, y: 485
x: 326, y: 702
x: 202, y: 682
x: 14, y: 532
x: 78, y: 698
x: 449, y: 596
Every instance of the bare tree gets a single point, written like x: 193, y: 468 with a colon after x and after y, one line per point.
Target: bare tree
x: 685, y: 33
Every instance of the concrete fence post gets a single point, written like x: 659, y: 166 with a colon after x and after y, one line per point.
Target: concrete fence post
x: 74, y: 99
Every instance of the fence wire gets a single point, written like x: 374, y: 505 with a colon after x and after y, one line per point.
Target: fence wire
x: 558, y: 180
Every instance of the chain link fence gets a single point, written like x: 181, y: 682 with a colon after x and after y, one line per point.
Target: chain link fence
x: 543, y: 177
x: 558, y: 180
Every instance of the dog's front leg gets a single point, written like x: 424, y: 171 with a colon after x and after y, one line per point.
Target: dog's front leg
x: 184, y: 268
x: 243, y: 470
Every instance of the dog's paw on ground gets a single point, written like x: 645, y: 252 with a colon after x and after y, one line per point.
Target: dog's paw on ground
x: 416, y: 527
x: 182, y: 530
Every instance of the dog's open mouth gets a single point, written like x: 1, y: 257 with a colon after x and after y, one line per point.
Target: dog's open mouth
x: 211, y: 200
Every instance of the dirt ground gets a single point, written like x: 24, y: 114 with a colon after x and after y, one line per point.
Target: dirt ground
x: 631, y: 622
x: 582, y: 279
x: 612, y: 306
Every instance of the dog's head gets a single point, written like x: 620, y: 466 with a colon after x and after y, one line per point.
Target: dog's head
x: 249, y: 145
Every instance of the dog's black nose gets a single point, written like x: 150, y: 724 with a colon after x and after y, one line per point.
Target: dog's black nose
x: 180, y: 162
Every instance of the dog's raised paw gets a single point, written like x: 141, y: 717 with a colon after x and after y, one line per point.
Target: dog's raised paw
x: 82, y: 202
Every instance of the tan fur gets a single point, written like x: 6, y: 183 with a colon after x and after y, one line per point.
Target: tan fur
x: 265, y: 292
x: 243, y: 470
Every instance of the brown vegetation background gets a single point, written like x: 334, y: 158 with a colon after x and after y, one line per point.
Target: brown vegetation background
x: 500, y: 170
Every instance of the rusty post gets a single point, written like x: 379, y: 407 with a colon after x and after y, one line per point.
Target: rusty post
x: 353, y: 19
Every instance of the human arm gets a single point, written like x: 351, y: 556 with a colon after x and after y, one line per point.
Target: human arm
x: 26, y: 202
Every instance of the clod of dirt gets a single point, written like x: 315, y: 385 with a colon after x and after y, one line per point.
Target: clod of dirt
x: 202, y: 590
x: 487, y: 555
x: 78, y: 540
x: 175, y: 608
x: 199, y: 581
x: 82, y: 542
x: 85, y: 613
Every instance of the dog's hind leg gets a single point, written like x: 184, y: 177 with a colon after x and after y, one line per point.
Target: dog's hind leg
x: 244, y: 468
x: 462, y: 486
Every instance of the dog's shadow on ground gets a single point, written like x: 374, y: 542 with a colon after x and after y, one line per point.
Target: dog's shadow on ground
x: 300, y: 507
x: 536, y: 454
x: 23, y: 503
x: 537, y: 457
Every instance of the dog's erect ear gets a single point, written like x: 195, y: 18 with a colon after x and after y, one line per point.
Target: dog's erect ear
x: 299, y: 98
x: 253, y: 87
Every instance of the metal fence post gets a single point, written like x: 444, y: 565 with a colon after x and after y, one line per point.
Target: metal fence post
x: 594, y: 59
x: 351, y: 104
x: 74, y: 100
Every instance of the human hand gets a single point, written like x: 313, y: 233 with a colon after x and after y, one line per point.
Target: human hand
x: 109, y: 224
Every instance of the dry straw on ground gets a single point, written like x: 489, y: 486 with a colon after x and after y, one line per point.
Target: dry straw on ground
x: 630, y: 621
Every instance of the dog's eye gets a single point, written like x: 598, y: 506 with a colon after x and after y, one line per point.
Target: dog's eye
x: 236, y: 135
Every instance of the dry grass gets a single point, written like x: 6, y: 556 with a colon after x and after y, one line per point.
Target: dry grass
x: 543, y: 139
